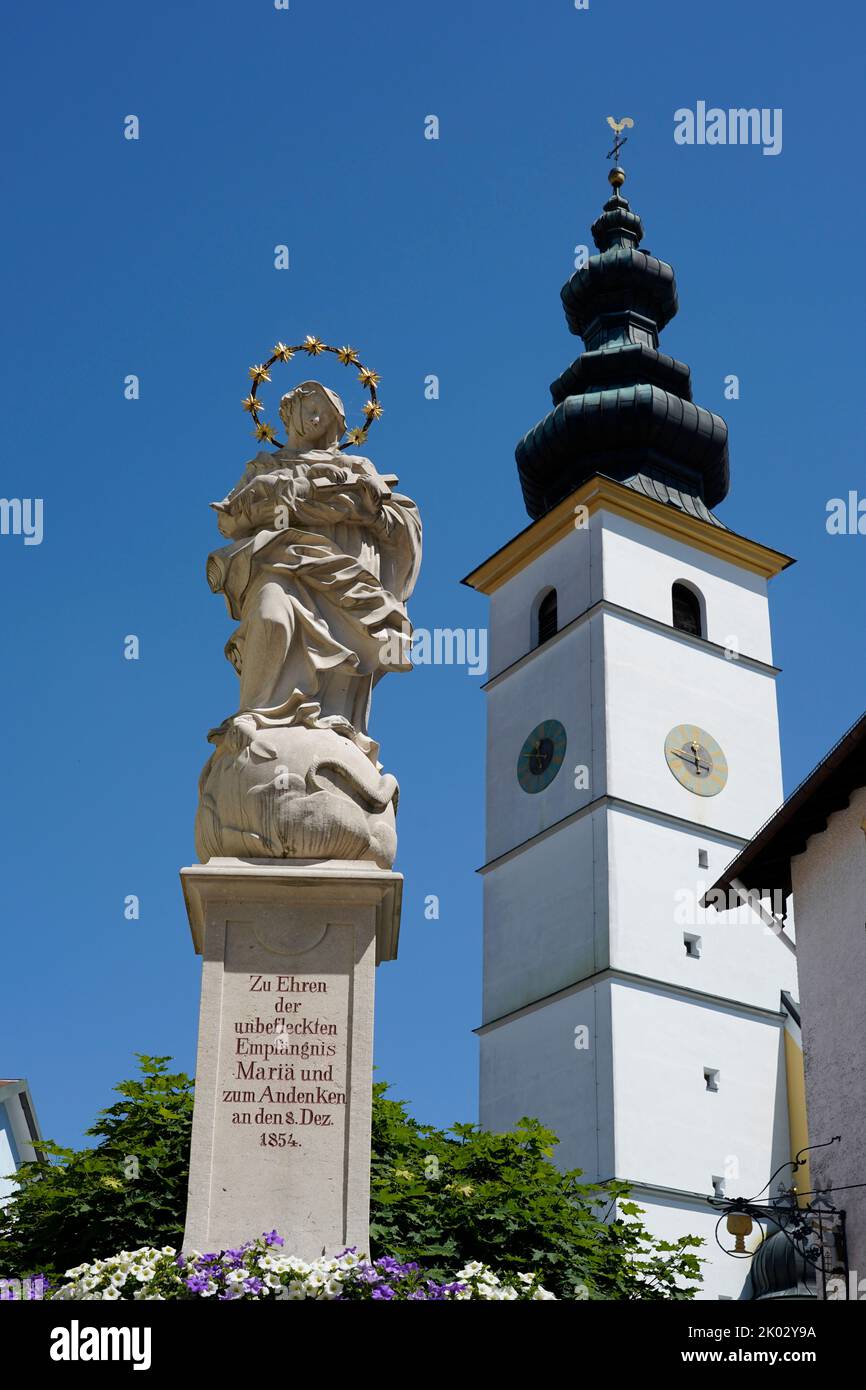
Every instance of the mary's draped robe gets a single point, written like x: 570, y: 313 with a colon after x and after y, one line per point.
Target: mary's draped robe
x: 323, y: 558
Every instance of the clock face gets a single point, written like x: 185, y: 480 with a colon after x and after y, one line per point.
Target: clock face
x: 541, y: 756
x: 696, y: 760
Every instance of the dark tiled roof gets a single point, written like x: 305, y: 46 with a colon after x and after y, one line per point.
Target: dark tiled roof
x: 662, y: 492
x: 623, y: 407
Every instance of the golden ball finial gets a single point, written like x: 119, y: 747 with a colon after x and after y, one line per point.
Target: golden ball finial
x: 616, y: 177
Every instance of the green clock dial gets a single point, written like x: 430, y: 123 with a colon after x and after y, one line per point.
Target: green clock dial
x: 541, y: 756
x: 696, y: 760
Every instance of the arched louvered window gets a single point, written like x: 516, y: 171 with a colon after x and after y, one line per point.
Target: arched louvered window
x: 547, y: 617
x: 687, y: 615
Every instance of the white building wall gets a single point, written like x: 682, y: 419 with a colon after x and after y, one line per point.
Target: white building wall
x: 569, y: 567
x: 7, y: 1165
x: 16, y: 1145
x: 670, y: 1130
x: 545, y: 922
x: 531, y: 1066
x: 563, y: 681
x: 829, y: 882
x: 640, y: 566
x: 654, y: 682
x: 671, y: 1218
x: 655, y: 888
x: 589, y: 891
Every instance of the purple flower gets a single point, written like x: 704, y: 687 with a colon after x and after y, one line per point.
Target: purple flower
x: 271, y: 1238
x: 197, y: 1282
x: 180, y: 1261
x: 253, y: 1284
x: 383, y: 1291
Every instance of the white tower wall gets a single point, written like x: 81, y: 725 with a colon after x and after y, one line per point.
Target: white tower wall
x: 590, y: 891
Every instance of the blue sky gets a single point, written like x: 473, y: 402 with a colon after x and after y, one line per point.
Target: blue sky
x: 305, y: 127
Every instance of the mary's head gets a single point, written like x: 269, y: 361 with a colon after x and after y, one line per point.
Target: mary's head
x: 313, y: 416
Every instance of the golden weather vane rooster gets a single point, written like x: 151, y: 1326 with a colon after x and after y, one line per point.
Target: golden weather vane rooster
x: 618, y: 127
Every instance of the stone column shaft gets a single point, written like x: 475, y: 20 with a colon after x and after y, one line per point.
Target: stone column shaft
x: 281, y: 1127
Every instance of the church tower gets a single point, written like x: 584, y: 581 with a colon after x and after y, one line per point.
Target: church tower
x: 632, y: 748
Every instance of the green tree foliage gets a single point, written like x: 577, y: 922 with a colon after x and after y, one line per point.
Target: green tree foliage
x: 438, y: 1198
x: 441, y: 1198
x: 128, y: 1190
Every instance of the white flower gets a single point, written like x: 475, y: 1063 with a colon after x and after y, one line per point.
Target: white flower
x: 128, y: 1274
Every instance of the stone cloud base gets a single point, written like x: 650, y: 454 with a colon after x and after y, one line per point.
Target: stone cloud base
x: 281, y: 1127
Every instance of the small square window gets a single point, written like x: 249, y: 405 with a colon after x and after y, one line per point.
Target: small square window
x: 711, y: 1079
x: 703, y: 859
x: 718, y: 1186
x: 692, y: 945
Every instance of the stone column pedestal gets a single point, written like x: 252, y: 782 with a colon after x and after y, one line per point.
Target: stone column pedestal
x: 281, y: 1127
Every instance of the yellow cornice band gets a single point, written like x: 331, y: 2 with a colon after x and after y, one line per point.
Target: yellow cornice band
x: 597, y: 493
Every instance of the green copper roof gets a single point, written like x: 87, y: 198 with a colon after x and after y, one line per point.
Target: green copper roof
x: 623, y: 408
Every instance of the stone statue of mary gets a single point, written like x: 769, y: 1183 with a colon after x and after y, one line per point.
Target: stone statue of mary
x: 323, y: 555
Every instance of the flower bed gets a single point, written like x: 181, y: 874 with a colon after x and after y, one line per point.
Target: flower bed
x: 260, y: 1269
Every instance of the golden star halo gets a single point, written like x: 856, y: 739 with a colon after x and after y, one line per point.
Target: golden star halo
x: 314, y: 347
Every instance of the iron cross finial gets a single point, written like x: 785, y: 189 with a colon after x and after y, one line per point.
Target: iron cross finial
x: 618, y: 127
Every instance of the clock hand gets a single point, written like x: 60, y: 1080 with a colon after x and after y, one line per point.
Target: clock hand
x: 699, y: 766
